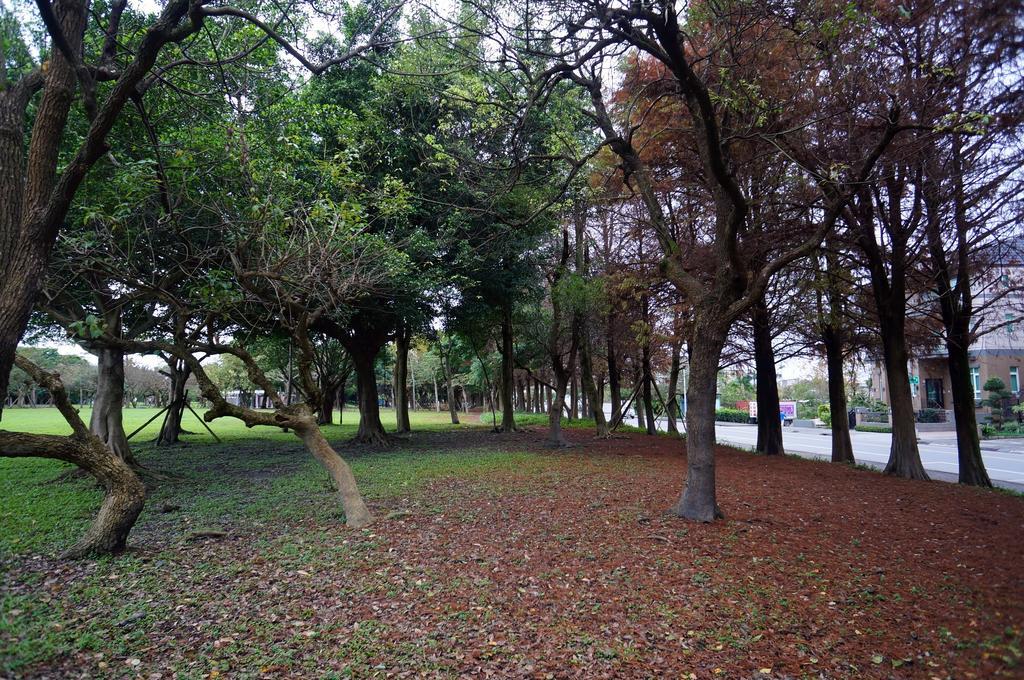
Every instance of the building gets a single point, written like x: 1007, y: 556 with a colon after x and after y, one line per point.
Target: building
x: 998, y: 351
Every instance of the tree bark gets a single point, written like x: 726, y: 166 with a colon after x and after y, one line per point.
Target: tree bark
x: 641, y: 420
x: 107, y: 421
x: 615, y: 397
x: 698, y: 500
x: 648, y: 398
x: 769, y: 423
x: 672, y: 407
x: 356, y: 513
x: 556, y: 437
x: 904, y: 457
x: 170, y: 431
x: 371, y: 430
x: 508, y: 417
x: 124, y: 494
x: 328, y: 397
x: 842, y: 447
x: 972, y: 466
x: 401, y: 380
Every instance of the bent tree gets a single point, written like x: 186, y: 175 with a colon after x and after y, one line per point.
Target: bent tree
x: 123, y: 492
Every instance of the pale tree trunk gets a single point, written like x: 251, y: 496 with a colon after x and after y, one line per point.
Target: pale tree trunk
x: 107, y: 410
x: 356, y: 513
x: 769, y: 423
x: 698, y: 500
x: 437, y: 397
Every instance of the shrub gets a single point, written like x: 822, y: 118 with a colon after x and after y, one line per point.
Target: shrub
x: 825, y: 414
x: 731, y: 415
x: 931, y: 415
x: 873, y: 428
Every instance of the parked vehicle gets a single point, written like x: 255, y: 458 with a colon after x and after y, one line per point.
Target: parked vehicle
x: 787, y: 412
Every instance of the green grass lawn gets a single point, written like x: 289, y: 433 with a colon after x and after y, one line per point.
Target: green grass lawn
x: 49, y: 421
x: 38, y: 515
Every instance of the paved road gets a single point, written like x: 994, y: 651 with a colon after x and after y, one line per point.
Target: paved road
x: 1004, y: 458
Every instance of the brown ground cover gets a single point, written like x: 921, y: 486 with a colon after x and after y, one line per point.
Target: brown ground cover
x: 568, y: 567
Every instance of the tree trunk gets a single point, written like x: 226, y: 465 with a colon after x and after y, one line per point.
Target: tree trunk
x: 842, y: 447
x: 107, y: 409
x: 573, y: 396
x: 614, y: 388
x: 904, y: 457
x: 641, y: 420
x: 698, y: 500
x: 672, y: 407
x: 508, y: 418
x: 401, y: 379
x: 170, y: 431
x: 555, y: 435
x: 648, y: 399
x: 371, y: 430
x: 342, y: 388
x: 590, y: 390
x: 356, y: 513
x: 124, y: 494
x: 453, y: 409
x: 769, y: 422
x: 328, y: 397
x: 968, y: 446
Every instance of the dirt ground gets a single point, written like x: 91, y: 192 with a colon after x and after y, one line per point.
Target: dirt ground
x: 569, y: 567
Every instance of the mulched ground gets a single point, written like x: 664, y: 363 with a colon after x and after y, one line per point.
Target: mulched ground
x: 570, y: 568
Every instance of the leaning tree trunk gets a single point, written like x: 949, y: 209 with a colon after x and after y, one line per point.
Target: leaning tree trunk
x: 904, y: 456
x: 508, y: 417
x: 124, y: 494
x: 698, y: 500
x: 769, y: 423
x: 371, y: 430
x: 108, y: 408
x: 968, y: 445
x: 356, y: 513
x: 842, y: 447
x: 170, y: 431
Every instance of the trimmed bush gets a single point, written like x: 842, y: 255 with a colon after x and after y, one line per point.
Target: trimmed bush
x: 874, y: 428
x: 731, y: 415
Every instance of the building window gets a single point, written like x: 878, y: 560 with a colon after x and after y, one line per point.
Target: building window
x: 1014, y: 379
x: 1010, y: 318
x: 976, y: 381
